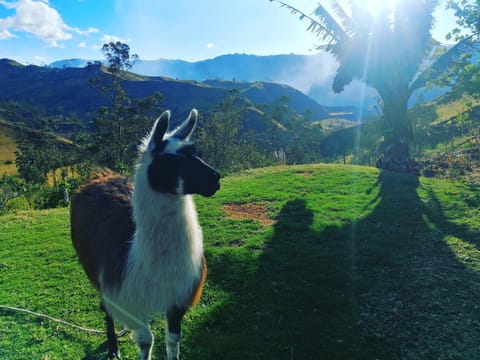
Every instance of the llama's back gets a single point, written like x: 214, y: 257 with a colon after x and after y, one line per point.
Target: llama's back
x: 102, y: 226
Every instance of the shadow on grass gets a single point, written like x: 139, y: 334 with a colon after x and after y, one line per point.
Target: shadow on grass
x: 294, y: 301
x: 388, y: 286
x: 414, y: 297
x: 100, y: 353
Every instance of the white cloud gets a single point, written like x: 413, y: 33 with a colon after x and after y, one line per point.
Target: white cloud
x: 89, y: 31
x: 112, y: 38
x: 38, y: 18
x: 107, y: 39
x: 210, y: 46
x: 82, y: 45
x: 38, y: 60
x: 5, y: 34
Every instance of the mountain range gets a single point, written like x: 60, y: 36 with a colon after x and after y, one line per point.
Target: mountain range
x: 311, y: 74
x: 68, y: 90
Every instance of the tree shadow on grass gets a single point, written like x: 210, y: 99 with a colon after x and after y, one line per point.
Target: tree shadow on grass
x: 387, y: 286
x: 293, y: 301
x: 414, y: 295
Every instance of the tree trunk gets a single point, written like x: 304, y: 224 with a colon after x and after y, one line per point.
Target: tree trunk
x: 394, y: 151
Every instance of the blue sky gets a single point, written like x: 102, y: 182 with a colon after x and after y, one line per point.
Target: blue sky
x: 42, y: 31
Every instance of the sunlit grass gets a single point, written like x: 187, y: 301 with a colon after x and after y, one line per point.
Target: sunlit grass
x: 448, y: 111
x: 358, y: 264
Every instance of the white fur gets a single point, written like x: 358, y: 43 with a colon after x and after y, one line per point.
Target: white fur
x: 144, y: 336
x: 165, y: 260
x: 180, y: 188
x: 173, y: 145
x: 172, y: 342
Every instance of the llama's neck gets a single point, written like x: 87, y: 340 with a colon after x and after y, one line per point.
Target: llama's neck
x: 164, y: 223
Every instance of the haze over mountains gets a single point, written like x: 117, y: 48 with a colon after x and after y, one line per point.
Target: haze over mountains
x: 311, y: 74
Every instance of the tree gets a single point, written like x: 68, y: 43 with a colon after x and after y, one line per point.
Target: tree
x: 9, y: 189
x: 224, y: 142
x: 279, y: 115
x: 386, y: 51
x: 41, y: 152
x: 118, y: 56
x: 292, y: 138
x: 464, y: 76
x: 117, y: 129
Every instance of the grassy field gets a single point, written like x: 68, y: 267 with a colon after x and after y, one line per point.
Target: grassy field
x: 305, y: 262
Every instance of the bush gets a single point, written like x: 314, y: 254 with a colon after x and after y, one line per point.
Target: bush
x: 9, y: 190
x: 51, y: 197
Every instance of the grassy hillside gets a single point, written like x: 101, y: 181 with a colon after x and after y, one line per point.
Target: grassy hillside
x: 7, y: 150
x: 8, y: 144
x: 305, y: 262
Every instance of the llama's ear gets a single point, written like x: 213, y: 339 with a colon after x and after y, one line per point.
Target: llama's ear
x: 160, y: 128
x: 185, y: 130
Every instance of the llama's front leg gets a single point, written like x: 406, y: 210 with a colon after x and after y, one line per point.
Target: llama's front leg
x: 173, y: 332
x: 144, y: 339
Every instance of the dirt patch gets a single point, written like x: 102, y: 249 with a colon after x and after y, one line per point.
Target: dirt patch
x: 257, y: 212
x: 304, y: 173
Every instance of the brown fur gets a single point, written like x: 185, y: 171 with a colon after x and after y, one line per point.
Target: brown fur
x: 197, y: 292
x: 103, y: 205
x: 102, y: 225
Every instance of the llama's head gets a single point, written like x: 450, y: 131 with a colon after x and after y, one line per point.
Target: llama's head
x: 172, y: 164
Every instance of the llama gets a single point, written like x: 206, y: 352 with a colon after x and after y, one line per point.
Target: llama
x: 141, y: 245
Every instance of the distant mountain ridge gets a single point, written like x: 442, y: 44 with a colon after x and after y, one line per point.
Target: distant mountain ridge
x: 311, y: 74
x: 68, y: 90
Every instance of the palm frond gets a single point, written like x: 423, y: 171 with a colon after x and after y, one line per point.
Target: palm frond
x: 345, y: 19
x: 343, y: 77
x: 336, y: 30
x: 446, y: 61
x: 328, y: 29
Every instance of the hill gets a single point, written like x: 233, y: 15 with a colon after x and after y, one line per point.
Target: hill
x: 7, y: 149
x: 66, y: 91
x: 8, y: 144
x: 307, y: 262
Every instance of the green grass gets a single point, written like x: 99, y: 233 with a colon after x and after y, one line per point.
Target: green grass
x: 360, y: 264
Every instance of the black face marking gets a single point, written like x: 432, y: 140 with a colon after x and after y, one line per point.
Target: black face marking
x: 187, y: 150
x: 182, y: 171
x: 200, y: 178
x: 164, y: 173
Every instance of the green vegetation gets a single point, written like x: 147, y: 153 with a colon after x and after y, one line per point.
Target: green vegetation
x: 358, y: 264
x: 7, y: 150
x: 388, y: 51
